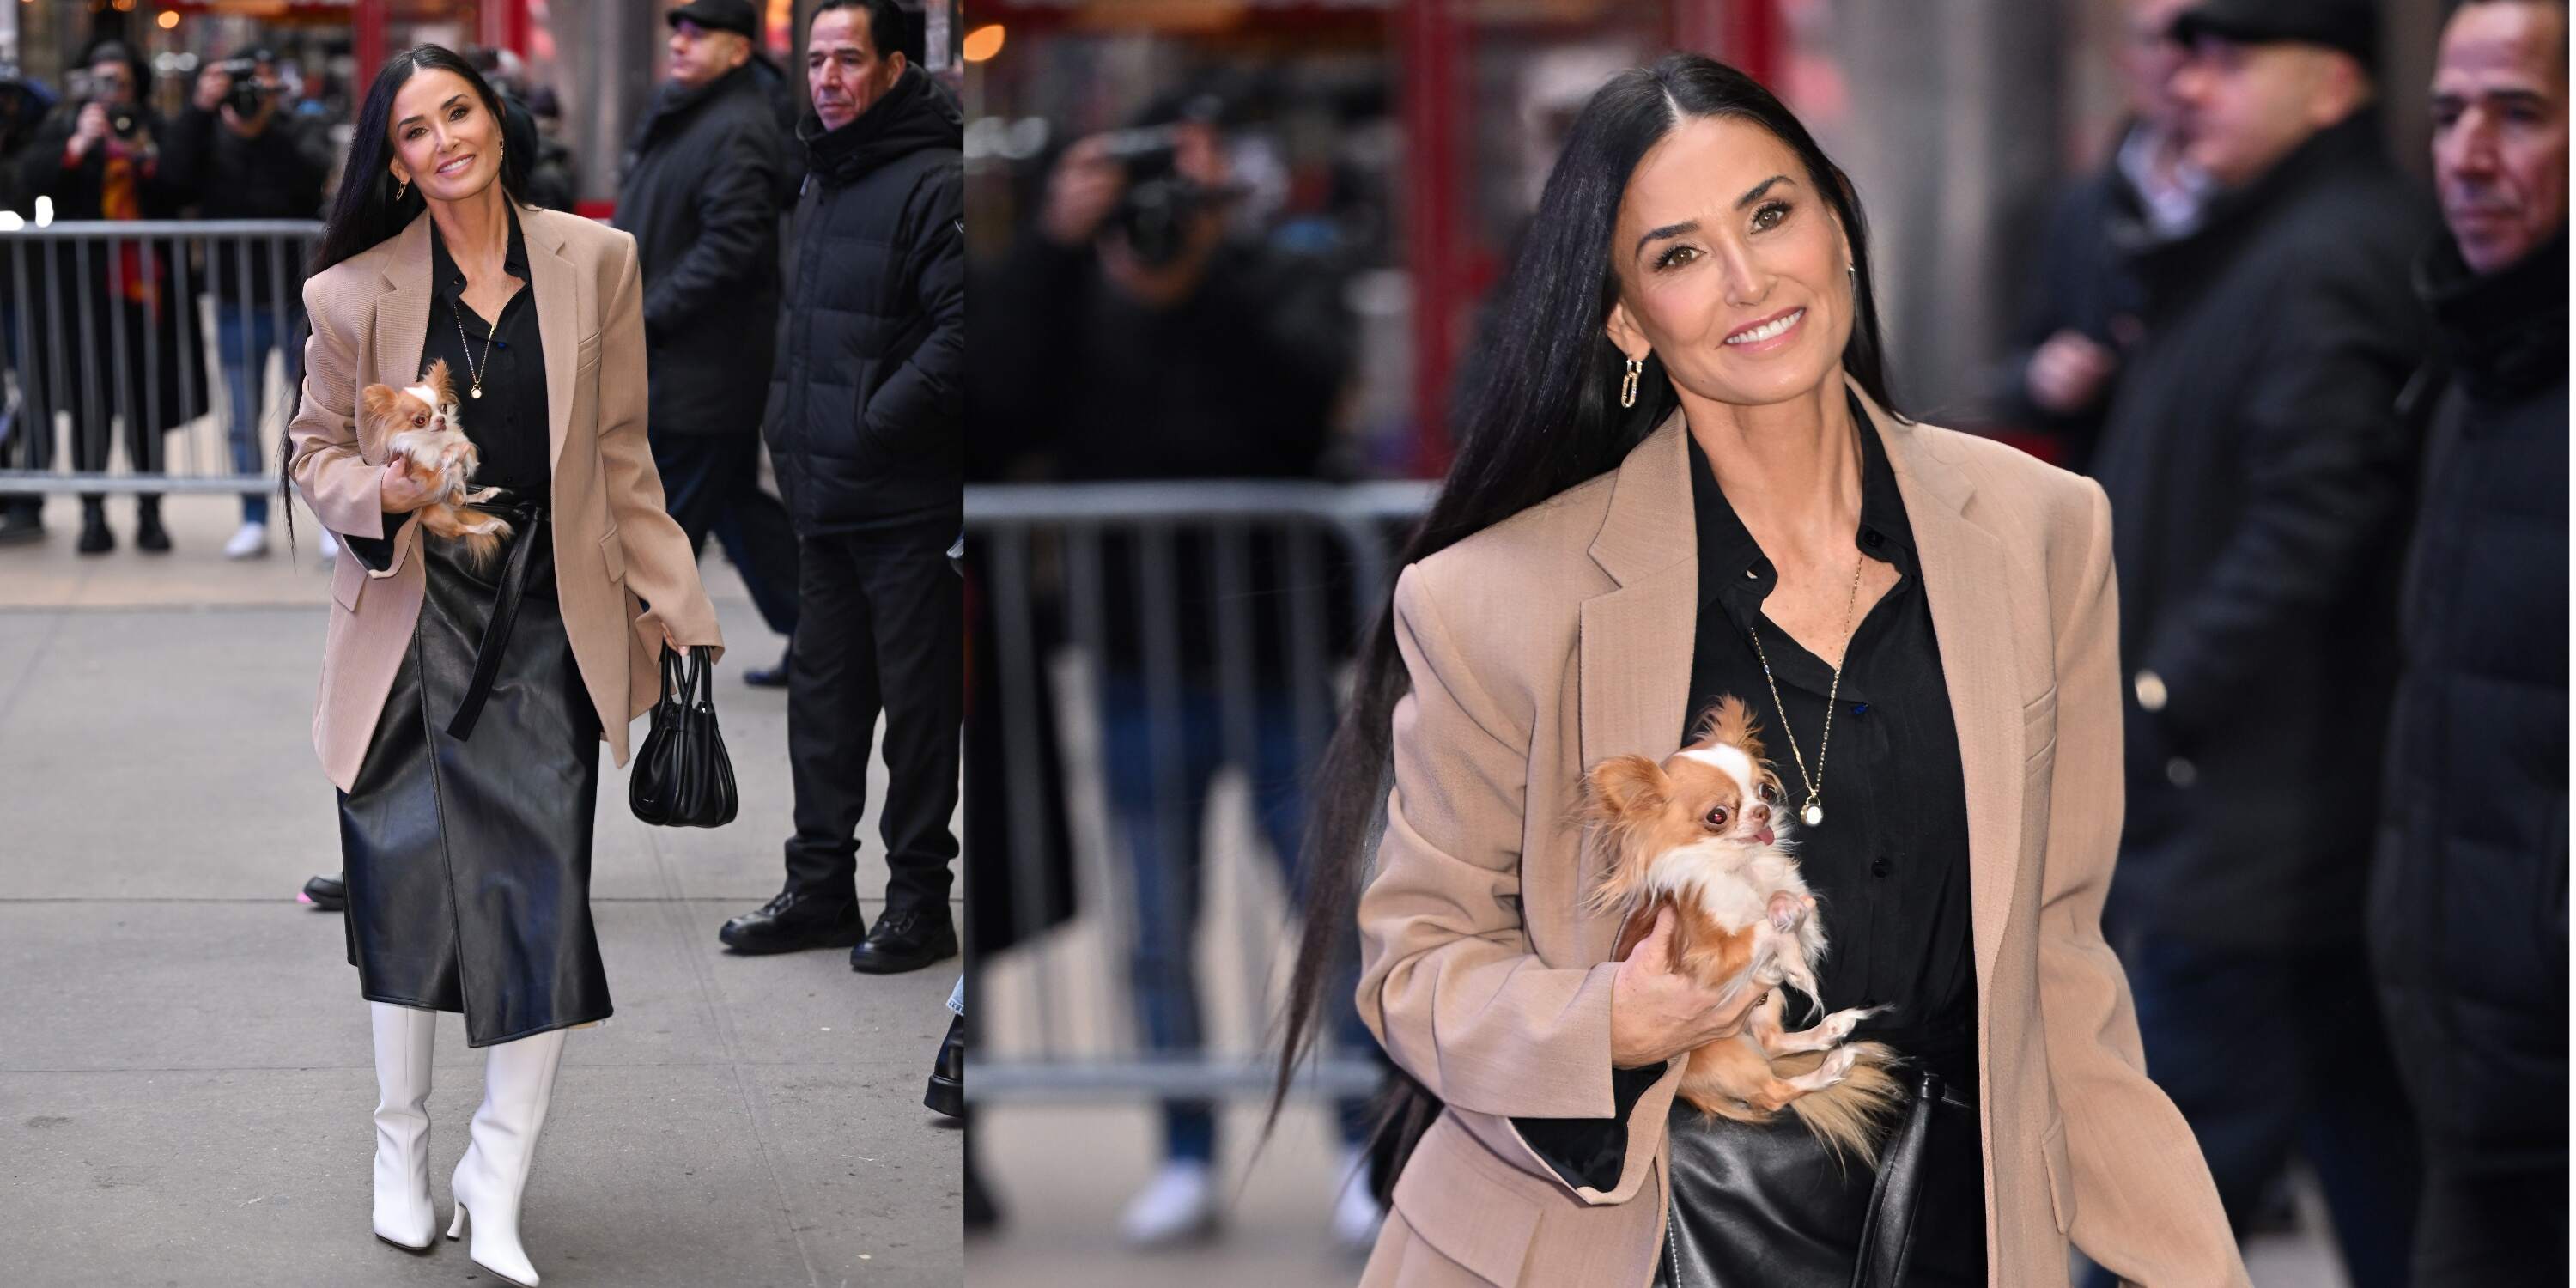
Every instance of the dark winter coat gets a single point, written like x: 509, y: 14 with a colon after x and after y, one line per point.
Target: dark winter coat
x: 867, y: 405
x: 700, y: 195
x: 276, y: 175
x: 2468, y: 917
x: 2257, y: 469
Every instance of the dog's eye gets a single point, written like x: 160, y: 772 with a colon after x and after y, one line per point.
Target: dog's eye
x: 1769, y: 792
x: 419, y: 420
x: 1717, y: 816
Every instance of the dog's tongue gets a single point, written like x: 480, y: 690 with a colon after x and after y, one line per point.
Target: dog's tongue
x: 1762, y: 837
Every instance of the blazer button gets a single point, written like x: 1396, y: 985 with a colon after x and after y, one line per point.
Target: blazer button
x: 1879, y: 867
x: 2181, y: 772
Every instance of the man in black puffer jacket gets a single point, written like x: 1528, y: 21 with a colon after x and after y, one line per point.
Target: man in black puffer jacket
x: 866, y: 424
x: 701, y: 197
x: 2468, y: 904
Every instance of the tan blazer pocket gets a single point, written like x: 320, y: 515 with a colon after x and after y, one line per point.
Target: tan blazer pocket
x: 2061, y: 1175
x: 612, y: 554
x: 348, y: 579
x: 2039, y: 727
x: 1474, y: 1208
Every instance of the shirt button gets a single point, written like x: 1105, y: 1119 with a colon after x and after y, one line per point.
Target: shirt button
x: 1859, y: 709
x: 1879, y: 867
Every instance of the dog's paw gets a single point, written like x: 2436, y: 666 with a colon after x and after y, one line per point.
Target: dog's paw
x: 1786, y: 910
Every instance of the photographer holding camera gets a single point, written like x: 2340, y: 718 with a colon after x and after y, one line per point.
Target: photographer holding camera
x: 1142, y: 341
x: 98, y: 158
x: 240, y: 155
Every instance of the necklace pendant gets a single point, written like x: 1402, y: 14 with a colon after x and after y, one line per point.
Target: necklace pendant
x: 1814, y: 814
x: 478, y: 391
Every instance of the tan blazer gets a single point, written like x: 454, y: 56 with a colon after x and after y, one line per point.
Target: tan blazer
x: 613, y: 542
x: 1563, y: 635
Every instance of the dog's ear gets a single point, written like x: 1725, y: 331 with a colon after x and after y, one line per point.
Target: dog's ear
x: 379, y: 401
x: 436, y: 379
x: 1623, y: 785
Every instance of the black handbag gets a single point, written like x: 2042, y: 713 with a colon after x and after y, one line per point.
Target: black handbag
x: 683, y: 778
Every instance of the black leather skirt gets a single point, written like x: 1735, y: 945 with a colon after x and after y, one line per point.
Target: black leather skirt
x: 467, y: 858
x: 1767, y: 1204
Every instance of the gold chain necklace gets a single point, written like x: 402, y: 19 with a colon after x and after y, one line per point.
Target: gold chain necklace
x: 456, y: 310
x: 1814, y: 813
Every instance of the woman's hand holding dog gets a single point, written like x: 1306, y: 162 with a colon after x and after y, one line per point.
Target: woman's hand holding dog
x: 1657, y: 1012
x: 405, y: 489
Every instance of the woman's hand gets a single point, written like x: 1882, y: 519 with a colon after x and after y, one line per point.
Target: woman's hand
x: 405, y: 490
x: 672, y: 642
x: 1657, y: 1013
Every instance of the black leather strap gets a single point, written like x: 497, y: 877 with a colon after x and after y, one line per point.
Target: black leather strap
x: 528, y: 519
x: 1887, y: 1236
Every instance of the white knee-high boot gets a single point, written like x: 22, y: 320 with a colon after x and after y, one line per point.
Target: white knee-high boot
x: 405, y: 1217
x: 518, y: 1083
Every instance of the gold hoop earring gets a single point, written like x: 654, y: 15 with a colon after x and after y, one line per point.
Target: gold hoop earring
x: 1628, y: 387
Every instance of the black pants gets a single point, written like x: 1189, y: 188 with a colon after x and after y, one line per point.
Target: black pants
x: 880, y: 627
x: 711, y: 486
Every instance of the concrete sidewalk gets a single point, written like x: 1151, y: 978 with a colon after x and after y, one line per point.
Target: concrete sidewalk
x: 185, y: 1077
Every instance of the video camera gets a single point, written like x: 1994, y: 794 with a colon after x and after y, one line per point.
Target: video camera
x: 248, y: 94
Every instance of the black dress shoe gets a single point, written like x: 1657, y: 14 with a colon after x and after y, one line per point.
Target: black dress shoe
x: 771, y: 677
x: 795, y: 921
x: 905, y: 939
x: 326, y: 893
x: 95, y: 539
x: 947, y: 1092
x: 19, y: 525
x: 149, y: 535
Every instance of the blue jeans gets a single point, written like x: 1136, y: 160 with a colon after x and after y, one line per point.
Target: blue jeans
x: 1162, y: 838
x: 244, y: 344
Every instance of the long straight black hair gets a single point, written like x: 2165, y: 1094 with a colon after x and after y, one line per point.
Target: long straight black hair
x: 371, y: 207
x: 1542, y: 417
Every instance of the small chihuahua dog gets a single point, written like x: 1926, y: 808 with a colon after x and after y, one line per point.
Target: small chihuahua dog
x: 420, y: 424
x: 1705, y: 834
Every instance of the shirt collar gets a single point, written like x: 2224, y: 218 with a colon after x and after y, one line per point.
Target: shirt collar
x: 1732, y: 565
x: 450, y: 280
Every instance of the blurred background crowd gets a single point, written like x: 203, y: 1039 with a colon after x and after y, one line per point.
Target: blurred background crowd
x: 2287, y: 278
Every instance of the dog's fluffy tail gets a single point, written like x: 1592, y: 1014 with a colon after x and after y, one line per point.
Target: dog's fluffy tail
x: 1851, y: 1117
x: 481, y: 539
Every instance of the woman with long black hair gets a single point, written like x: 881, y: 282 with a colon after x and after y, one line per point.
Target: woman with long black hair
x: 462, y: 704
x: 1684, y: 481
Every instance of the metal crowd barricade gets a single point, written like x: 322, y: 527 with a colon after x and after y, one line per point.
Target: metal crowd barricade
x: 86, y: 351
x: 1176, y: 558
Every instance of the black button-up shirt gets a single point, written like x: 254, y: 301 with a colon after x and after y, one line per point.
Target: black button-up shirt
x: 508, y: 424
x: 1889, y: 865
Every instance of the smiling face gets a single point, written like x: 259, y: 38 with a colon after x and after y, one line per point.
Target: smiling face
x: 445, y: 141
x: 2500, y: 129
x: 1731, y: 267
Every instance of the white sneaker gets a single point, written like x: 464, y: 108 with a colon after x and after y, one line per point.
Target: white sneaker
x: 1356, y: 1214
x: 1178, y: 1205
x: 249, y: 541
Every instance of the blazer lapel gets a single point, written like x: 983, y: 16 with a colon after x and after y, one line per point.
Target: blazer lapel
x: 1635, y: 643
x: 1966, y: 574
x: 556, y: 283
x: 402, y: 317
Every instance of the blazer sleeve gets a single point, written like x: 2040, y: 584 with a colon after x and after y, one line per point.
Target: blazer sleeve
x: 660, y: 567
x: 1448, y: 980
x: 2144, y: 1206
x: 338, y: 484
